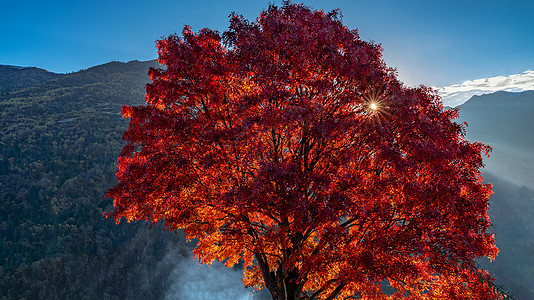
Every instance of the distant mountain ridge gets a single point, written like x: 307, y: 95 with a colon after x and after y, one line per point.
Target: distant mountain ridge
x: 457, y: 94
x: 505, y: 121
x: 16, y: 77
x: 13, y: 78
x: 502, y: 99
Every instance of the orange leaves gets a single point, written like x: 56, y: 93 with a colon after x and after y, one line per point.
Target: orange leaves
x: 267, y: 149
x: 126, y: 112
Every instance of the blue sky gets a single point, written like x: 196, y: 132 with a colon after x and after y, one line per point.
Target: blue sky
x: 430, y: 42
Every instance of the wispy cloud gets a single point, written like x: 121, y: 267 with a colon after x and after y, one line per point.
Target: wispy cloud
x: 456, y: 94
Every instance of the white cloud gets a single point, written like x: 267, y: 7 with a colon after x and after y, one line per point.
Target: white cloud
x: 456, y: 94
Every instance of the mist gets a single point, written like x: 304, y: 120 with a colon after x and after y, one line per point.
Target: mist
x: 509, y: 164
x: 193, y: 281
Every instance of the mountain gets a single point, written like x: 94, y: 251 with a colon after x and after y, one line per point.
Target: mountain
x: 457, y: 94
x: 59, y: 141
x: 14, y: 77
x: 505, y: 120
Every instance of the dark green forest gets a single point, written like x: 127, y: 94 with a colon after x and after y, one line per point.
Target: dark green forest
x: 60, y: 135
x: 13, y: 78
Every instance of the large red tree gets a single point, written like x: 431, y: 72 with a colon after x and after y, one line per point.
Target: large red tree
x: 288, y: 145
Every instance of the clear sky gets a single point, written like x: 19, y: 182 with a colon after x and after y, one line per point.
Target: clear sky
x: 431, y: 42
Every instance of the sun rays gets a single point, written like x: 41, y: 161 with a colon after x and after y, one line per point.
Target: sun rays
x: 375, y: 104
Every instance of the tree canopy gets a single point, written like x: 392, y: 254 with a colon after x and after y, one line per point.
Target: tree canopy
x: 288, y: 145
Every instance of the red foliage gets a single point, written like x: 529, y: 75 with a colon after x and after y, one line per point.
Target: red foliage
x: 289, y: 145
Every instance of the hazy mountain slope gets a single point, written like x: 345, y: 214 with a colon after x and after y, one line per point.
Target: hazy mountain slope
x: 13, y: 77
x: 59, y: 142
x: 505, y: 121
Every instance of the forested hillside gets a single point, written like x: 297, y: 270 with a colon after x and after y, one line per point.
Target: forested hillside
x: 59, y: 141
x: 13, y: 78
